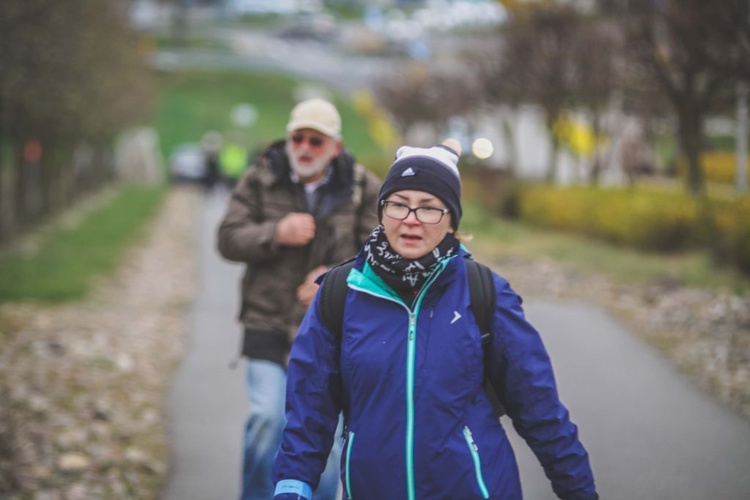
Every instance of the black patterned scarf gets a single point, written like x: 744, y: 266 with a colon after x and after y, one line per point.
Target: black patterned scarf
x: 405, y: 274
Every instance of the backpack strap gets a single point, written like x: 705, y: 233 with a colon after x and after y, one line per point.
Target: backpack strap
x: 482, y: 293
x: 358, y: 185
x: 333, y: 296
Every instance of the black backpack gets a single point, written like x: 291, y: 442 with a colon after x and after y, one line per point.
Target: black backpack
x: 481, y: 289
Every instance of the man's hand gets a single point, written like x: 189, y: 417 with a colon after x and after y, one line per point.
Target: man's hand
x: 306, y: 291
x: 295, y: 230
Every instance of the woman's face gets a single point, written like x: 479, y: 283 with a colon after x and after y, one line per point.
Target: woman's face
x: 409, y: 237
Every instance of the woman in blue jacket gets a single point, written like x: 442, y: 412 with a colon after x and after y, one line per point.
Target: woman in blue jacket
x: 407, y: 369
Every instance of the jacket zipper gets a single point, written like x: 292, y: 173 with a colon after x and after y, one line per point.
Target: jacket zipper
x: 347, y: 482
x: 474, y: 450
x: 410, y: 357
x: 411, y: 351
x: 410, y: 361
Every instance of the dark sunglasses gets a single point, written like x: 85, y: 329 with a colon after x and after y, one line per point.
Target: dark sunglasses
x: 314, y: 142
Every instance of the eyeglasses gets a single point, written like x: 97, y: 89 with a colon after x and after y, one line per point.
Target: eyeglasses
x: 313, y: 141
x: 425, y: 215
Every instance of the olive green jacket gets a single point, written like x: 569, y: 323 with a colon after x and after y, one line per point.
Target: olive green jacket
x: 345, y: 214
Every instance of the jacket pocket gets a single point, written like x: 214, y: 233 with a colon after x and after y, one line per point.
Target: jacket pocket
x: 474, y: 451
x: 347, y: 475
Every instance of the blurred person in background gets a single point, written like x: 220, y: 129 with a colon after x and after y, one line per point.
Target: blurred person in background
x: 304, y: 206
x: 211, y: 143
x: 233, y: 160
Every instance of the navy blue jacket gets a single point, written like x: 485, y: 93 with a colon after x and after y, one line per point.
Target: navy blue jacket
x: 409, y: 381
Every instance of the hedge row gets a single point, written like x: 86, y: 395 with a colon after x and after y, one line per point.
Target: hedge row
x: 645, y: 218
x: 654, y: 221
x: 718, y: 166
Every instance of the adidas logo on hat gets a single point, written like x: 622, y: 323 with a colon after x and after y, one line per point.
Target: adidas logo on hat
x: 409, y: 171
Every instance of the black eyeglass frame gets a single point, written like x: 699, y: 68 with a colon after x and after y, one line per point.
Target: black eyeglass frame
x: 443, y: 211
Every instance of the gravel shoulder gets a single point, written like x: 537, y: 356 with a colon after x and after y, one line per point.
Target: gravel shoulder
x: 83, y: 385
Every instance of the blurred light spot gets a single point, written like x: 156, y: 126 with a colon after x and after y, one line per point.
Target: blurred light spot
x: 244, y: 115
x: 482, y: 148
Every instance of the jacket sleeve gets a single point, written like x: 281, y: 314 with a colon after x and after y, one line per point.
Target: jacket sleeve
x: 244, y: 235
x: 313, y: 403
x: 522, y: 372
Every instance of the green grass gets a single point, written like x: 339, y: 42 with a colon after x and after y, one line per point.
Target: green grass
x: 194, y: 102
x: 500, y: 238
x: 70, y: 258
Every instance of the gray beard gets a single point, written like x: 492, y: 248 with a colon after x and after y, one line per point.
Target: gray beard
x: 318, y: 166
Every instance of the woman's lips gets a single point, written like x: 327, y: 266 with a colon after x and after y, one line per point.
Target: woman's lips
x: 411, y: 237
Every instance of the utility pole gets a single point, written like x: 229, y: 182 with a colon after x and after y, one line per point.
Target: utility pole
x: 742, y: 130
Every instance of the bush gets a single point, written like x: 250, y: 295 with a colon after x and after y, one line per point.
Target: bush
x: 655, y: 219
x: 718, y: 166
x: 731, y: 242
x: 496, y: 191
x: 648, y: 220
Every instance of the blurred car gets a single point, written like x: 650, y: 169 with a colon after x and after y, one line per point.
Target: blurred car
x: 260, y: 7
x: 317, y: 27
x: 187, y: 163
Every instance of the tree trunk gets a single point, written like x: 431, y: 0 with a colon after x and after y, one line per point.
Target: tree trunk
x: 596, y: 165
x: 551, y: 176
x: 691, y: 143
x: 741, y: 172
x: 506, y: 124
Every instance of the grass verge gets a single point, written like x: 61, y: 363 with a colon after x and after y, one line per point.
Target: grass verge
x: 70, y: 258
x: 193, y: 102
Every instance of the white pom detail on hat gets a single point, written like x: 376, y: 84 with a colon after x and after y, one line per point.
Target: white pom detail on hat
x: 437, y: 153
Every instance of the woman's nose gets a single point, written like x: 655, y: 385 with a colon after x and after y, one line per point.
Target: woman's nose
x: 412, y: 218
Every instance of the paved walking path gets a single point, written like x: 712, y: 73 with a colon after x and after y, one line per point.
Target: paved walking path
x: 651, y: 435
x: 207, y: 404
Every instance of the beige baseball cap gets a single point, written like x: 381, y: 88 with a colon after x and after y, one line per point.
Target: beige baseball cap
x: 317, y: 114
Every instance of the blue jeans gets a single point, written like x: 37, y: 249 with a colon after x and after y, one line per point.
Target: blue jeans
x: 266, y: 389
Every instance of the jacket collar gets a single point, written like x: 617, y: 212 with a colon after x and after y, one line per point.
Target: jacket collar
x: 364, y: 278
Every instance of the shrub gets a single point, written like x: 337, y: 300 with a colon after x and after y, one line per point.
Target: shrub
x: 718, y: 166
x: 647, y: 220
x: 731, y: 242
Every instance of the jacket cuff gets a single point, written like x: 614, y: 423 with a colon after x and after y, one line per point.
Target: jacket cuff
x: 292, y: 487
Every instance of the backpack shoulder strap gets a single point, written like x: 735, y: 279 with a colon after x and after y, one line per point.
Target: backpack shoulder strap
x: 358, y: 181
x: 482, y: 292
x: 333, y: 295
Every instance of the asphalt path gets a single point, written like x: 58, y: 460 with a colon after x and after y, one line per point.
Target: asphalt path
x: 207, y: 403
x: 650, y: 433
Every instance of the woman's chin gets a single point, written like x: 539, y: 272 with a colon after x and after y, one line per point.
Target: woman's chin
x: 411, y: 251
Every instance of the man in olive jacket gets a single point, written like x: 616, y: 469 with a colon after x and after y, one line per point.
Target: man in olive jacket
x: 304, y: 206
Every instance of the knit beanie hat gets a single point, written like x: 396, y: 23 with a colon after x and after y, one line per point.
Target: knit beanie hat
x: 433, y: 170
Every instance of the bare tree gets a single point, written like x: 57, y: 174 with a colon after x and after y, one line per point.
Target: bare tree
x: 664, y: 38
x: 501, y: 85
x: 597, y: 77
x: 539, y: 46
x: 422, y: 95
x: 69, y: 74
